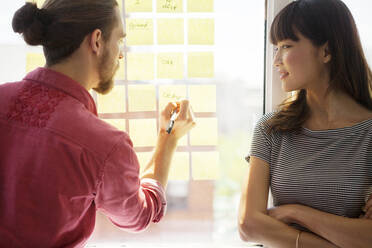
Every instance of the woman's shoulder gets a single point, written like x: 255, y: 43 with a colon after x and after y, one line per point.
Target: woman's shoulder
x: 262, y: 126
x: 264, y: 120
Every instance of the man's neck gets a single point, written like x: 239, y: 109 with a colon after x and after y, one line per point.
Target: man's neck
x: 77, y: 70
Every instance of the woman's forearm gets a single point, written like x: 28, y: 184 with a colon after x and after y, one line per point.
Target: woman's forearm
x: 261, y: 228
x: 344, y: 232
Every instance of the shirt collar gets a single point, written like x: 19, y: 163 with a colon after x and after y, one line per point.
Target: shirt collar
x: 63, y: 83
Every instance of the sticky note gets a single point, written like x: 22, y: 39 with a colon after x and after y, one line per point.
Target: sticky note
x: 140, y: 66
x: 180, y: 166
x: 203, y: 98
x: 143, y: 159
x: 120, y: 73
x: 171, y: 93
x: 171, y: 65
x: 141, y: 98
x: 205, y: 132
x: 138, y: 6
x: 200, y: 65
x: 113, y: 102
x: 34, y: 60
x: 205, y: 165
x: 118, y: 123
x: 140, y: 32
x: 201, y: 31
x: 200, y: 5
x: 170, y: 31
x: 170, y: 6
x: 143, y: 132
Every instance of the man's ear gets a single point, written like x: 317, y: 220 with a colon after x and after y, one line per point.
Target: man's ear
x: 96, y: 42
x: 326, y: 54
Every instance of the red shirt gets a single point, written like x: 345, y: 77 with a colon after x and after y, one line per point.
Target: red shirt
x: 59, y: 163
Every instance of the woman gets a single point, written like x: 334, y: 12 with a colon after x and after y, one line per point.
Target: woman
x: 315, y: 152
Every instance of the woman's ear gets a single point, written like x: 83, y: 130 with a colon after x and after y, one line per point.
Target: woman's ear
x: 326, y: 54
x: 96, y: 41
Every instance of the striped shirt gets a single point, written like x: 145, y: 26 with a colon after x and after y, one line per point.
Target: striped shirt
x: 328, y: 170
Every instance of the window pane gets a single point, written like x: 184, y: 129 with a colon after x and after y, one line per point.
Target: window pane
x: 208, y: 51
x: 212, y: 53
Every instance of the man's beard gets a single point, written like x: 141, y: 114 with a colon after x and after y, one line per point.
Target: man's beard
x: 106, y: 74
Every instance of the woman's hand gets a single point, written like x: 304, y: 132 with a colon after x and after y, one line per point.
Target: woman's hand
x: 367, y: 209
x: 283, y: 213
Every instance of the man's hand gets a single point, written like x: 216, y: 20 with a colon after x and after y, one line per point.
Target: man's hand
x: 367, y: 209
x: 283, y: 213
x: 184, y: 122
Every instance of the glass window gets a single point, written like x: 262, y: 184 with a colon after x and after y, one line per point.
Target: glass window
x: 211, y: 52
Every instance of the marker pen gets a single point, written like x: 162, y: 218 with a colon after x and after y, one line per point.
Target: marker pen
x: 172, y: 120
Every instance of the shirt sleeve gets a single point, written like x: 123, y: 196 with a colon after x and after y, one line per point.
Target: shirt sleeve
x: 129, y: 202
x: 260, y: 145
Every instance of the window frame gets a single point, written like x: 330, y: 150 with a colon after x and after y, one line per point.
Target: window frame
x: 273, y: 94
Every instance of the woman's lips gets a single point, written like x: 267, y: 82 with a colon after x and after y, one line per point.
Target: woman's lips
x: 283, y: 75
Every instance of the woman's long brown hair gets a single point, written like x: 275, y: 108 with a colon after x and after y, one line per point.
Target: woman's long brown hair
x: 323, y: 21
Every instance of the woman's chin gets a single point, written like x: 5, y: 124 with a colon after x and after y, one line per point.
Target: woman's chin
x: 287, y: 87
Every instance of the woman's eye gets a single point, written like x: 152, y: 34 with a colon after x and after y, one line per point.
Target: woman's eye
x: 286, y: 46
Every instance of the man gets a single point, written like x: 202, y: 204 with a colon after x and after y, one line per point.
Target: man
x: 59, y: 162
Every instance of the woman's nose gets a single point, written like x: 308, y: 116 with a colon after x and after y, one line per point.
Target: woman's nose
x: 277, y: 59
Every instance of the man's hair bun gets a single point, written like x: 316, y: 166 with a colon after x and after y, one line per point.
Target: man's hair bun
x: 32, y: 23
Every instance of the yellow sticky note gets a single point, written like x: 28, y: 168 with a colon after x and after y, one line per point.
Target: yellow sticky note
x: 205, y: 132
x: 142, y: 98
x: 200, y: 65
x: 34, y: 60
x: 170, y: 65
x: 140, y: 66
x: 143, y: 132
x: 170, y: 31
x: 201, y: 31
x: 143, y: 159
x: 113, y: 102
x: 140, y: 32
x: 120, y: 73
x: 118, y: 123
x: 138, y: 6
x: 205, y: 165
x: 200, y: 5
x: 203, y: 98
x: 170, y: 6
x: 171, y: 93
x: 180, y: 166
